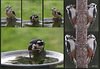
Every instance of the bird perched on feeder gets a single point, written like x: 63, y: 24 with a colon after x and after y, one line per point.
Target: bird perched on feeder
x: 56, y: 13
x: 9, y: 12
x: 70, y: 46
x: 34, y: 18
x: 92, y: 44
x: 36, y: 45
x: 71, y: 14
x: 92, y: 11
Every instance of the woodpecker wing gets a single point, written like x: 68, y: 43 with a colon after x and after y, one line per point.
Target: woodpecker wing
x: 59, y: 13
x: 95, y: 45
x: 34, y: 41
x: 92, y: 12
x: 68, y: 47
x: 13, y: 12
x: 94, y: 49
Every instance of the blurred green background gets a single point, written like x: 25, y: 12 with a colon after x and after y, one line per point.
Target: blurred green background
x: 18, y: 38
x: 49, y: 4
x: 30, y: 7
x: 16, y: 7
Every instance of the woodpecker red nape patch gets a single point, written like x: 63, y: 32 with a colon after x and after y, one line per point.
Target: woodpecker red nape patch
x: 90, y: 53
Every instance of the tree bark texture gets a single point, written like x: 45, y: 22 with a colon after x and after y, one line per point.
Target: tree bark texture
x: 81, y: 34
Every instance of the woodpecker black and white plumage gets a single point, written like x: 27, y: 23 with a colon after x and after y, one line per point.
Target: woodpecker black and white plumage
x: 92, y: 12
x: 34, y: 18
x: 92, y: 44
x: 70, y: 46
x: 71, y: 14
x: 56, y: 13
x: 9, y: 12
x: 36, y: 45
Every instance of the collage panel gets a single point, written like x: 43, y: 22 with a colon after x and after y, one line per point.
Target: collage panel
x: 31, y: 13
x: 70, y: 26
x: 71, y: 35
x: 53, y: 13
x: 10, y: 13
x: 20, y: 45
x: 69, y: 62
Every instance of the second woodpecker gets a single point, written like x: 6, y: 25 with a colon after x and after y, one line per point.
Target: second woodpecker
x: 92, y: 44
x: 36, y: 44
x: 70, y: 46
x: 71, y: 14
x: 92, y: 12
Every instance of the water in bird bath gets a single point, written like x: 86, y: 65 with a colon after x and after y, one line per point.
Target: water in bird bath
x: 21, y: 59
x: 27, y: 60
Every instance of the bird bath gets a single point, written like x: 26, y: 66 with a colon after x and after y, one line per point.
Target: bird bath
x: 8, y: 22
x: 21, y: 59
x: 48, y: 22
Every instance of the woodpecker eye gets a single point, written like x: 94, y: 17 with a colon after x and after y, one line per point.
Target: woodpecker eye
x: 67, y: 38
x: 93, y: 5
x: 40, y: 44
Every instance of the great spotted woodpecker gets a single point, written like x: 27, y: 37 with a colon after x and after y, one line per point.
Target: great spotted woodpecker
x: 70, y: 46
x: 92, y: 12
x: 56, y: 13
x: 9, y: 12
x: 71, y: 14
x: 36, y: 44
x: 92, y: 44
x: 34, y: 18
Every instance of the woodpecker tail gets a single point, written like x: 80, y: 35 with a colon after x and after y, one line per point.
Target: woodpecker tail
x: 74, y: 60
x: 88, y: 60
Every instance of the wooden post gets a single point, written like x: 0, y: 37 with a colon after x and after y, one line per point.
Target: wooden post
x: 81, y: 34
x: 57, y: 22
x: 11, y: 22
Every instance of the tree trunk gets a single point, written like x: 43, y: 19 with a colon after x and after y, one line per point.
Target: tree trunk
x: 81, y: 34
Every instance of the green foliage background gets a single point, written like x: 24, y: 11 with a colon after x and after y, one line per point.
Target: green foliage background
x: 19, y: 38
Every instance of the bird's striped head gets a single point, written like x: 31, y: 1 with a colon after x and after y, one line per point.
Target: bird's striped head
x: 91, y: 36
x: 68, y: 36
x: 34, y: 17
x: 70, y: 6
x: 8, y: 8
x: 92, y: 5
x: 53, y: 9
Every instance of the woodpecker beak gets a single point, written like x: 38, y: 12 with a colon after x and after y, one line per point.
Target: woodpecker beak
x: 11, y: 6
x: 52, y: 9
